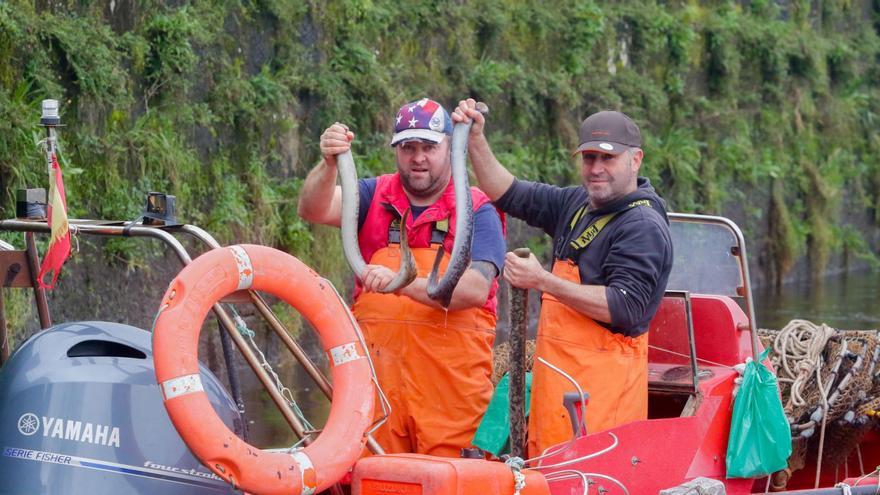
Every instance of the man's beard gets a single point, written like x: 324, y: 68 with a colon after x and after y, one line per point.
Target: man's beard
x: 422, y: 186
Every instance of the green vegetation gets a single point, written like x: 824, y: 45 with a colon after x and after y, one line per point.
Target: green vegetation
x: 221, y: 103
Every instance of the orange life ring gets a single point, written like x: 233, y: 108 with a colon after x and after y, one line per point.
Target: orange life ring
x: 188, y: 299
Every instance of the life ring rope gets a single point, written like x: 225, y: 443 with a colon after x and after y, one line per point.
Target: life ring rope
x: 384, y: 403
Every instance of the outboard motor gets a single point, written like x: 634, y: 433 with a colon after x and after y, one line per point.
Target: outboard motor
x: 82, y: 414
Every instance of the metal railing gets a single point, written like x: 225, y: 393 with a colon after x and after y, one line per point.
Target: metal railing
x: 165, y: 235
x: 740, y: 254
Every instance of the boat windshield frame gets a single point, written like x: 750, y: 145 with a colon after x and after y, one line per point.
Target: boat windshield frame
x: 738, y: 252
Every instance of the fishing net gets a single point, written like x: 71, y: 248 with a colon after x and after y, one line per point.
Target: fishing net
x: 830, y: 385
x: 502, y: 359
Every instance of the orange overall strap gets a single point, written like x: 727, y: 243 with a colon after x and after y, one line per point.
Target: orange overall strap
x: 611, y: 368
x: 434, y: 366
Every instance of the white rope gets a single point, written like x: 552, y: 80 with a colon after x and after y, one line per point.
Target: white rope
x: 798, y: 349
x: 516, y: 465
x: 282, y: 389
x: 824, y: 397
x: 679, y: 354
x: 861, y: 464
x: 383, y: 399
x: 845, y: 489
x: 875, y: 471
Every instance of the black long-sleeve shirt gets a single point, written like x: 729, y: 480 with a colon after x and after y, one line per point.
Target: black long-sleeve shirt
x: 631, y: 256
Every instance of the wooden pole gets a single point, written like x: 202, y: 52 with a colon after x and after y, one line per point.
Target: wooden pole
x: 39, y: 293
x: 519, y: 320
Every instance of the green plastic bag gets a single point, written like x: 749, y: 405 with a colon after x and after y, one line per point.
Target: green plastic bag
x: 760, y: 438
x: 493, y: 434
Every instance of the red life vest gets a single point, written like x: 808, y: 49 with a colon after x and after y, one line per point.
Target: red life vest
x: 389, y: 193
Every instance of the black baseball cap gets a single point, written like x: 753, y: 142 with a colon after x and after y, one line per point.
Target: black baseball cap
x: 608, y: 132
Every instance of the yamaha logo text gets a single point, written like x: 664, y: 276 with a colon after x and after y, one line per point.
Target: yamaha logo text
x: 30, y: 424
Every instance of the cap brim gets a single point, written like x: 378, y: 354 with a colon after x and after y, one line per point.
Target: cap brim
x: 601, y: 147
x: 418, y: 134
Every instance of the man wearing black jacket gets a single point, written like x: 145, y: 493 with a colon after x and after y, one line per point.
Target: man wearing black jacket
x: 611, y: 260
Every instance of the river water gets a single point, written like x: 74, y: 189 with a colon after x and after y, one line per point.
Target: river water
x: 849, y: 301
x: 846, y: 301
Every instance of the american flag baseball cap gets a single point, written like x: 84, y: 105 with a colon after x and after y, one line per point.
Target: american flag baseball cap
x: 425, y: 120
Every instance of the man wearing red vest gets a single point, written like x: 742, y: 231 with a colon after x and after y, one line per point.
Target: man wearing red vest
x: 612, y: 257
x: 433, y: 365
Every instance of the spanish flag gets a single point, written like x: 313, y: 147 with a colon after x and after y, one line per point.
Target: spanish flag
x: 59, y: 244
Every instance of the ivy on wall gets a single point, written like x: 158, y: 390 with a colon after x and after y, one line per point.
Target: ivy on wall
x: 221, y: 102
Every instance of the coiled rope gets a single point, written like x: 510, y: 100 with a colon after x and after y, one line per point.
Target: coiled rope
x: 798, y: 348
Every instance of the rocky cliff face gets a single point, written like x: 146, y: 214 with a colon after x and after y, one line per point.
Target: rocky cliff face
x: 761, y: 111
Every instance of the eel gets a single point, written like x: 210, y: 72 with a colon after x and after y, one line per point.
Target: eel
x: 460, y: 259
x: 349, y: 229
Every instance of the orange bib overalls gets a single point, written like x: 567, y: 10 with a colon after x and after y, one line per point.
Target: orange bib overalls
x: 611, y: 368
x: 434, y: 366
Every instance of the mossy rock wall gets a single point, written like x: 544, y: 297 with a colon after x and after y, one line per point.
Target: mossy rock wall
x: 763, y: 111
